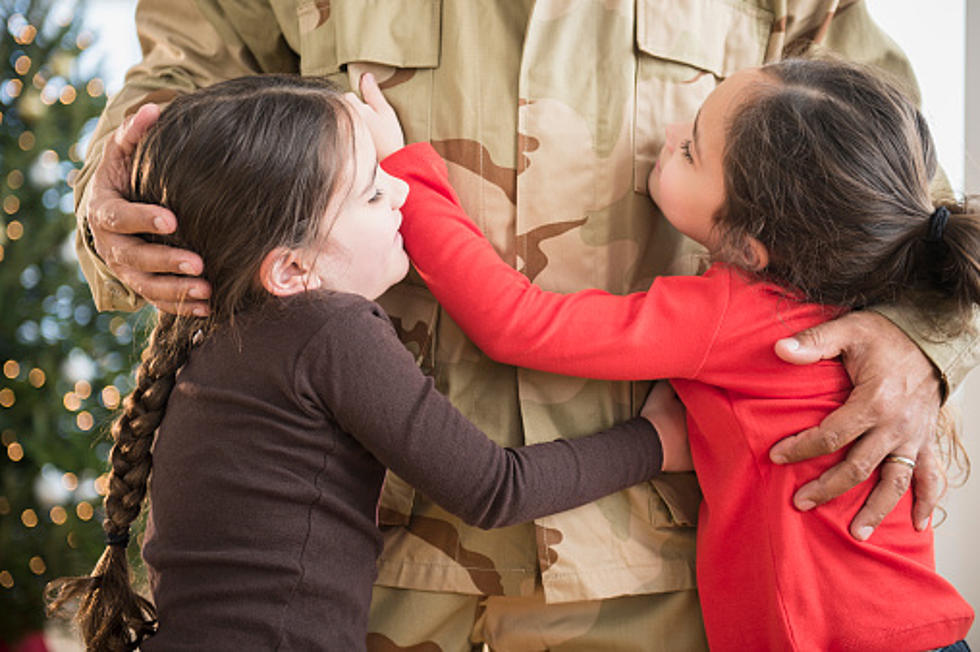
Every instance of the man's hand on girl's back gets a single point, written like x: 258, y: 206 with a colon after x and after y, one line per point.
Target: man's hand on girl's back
x: 892, y: 410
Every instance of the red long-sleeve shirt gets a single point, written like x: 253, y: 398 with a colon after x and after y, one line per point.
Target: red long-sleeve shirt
x: 770, y: 577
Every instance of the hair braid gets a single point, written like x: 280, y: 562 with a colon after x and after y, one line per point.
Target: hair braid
x: 111, y: 615
x: 237, y: 148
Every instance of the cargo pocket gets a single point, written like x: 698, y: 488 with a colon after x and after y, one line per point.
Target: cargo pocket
x: 684, y: 48
x: 676, y: 497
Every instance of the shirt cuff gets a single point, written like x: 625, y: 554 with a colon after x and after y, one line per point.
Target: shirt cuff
x: 952, y: 356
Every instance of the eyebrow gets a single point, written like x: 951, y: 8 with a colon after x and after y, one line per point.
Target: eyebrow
x: 370, y: 183
x: 694, y: 134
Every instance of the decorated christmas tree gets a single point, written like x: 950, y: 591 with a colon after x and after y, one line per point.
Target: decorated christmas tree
x: 64, y: 366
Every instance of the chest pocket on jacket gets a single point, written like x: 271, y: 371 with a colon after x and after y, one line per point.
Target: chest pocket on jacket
x: 398, y: 41
x: 684, y: 48
x: 336, y: 33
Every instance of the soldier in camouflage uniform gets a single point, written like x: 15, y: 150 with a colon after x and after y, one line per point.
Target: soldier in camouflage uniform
x: 550, y: 114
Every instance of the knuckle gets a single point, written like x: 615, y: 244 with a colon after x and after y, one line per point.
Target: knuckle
x: 126, y: 125
x: 118, y: 255
x: 880, y: 406
x: 875, y: 517
x: 108, y: 218
x: 900, y: 482
x: 112, y: 256
x: 881, y: 402
x: 831, y: 439
x: 931, y: 477
x: 863, y: 324
x: 856, y: 471
x: 810, y: 337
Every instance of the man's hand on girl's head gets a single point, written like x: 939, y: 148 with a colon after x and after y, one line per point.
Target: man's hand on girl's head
x: 892, y: 410
x: 164, y: 276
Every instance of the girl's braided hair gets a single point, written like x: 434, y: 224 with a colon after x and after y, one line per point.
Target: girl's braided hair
x: 247, y: 165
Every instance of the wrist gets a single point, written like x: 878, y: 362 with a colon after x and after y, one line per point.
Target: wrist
x: 676, y: 451
x: 666, y: 451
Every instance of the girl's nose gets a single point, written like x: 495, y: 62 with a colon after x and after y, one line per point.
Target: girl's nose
x: 399, y: 192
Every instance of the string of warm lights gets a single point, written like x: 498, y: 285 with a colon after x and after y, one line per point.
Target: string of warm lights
x: 64, y: 368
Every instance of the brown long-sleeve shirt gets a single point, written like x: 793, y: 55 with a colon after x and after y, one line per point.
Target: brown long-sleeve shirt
x: 268, y: 467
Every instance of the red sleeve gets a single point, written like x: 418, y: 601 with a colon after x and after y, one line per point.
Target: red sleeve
x: 665, y: 332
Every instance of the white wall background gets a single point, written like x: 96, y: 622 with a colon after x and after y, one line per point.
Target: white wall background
x: 934, y: 40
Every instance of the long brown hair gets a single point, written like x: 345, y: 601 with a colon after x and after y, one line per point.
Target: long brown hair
x: 247, y: 165
x: 830, y: 167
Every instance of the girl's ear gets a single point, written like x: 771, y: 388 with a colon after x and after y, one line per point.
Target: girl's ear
x: 757, y: 253
x: 285, y: 272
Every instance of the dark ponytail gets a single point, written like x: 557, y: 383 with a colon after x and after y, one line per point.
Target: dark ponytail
x: 946, y: 261
x: 831, y: 168
x: 111, y: 615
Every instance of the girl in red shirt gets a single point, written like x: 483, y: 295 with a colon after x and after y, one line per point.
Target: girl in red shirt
x: 809, y: 184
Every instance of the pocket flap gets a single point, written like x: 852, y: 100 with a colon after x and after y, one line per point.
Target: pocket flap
x: 720, y: 36
x: 398, y: 33
x: 682, y: 495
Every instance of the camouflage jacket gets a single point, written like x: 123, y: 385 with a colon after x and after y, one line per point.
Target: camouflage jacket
x: 550, y: 114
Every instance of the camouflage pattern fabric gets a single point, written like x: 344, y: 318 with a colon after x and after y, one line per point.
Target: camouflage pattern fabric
x: 423, y: 621
x: 550, y: 114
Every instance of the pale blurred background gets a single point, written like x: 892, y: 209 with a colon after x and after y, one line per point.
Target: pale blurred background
x: 934, y: 35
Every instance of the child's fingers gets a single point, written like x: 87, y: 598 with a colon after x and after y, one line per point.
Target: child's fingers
x: 351, y: 98
x: 372, y: 94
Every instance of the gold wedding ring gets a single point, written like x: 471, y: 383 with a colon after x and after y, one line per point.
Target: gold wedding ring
x: 899, y: 459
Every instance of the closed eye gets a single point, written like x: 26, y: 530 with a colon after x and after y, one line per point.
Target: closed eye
x: 686, y: 151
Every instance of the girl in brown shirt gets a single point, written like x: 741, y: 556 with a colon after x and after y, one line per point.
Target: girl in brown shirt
x: 276, y: 414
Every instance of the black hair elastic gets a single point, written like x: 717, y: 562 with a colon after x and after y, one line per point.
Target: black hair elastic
x: 120, y: 539
x: 937, y: 224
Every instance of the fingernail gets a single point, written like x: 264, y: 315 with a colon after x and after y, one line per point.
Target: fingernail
x: 160, y: 224
x: 864, y: 532
x: 197, y: 293
x: 777, y: 458
x: 922, y: 525
x: 790, y: 343
x: 186, y: 268
x: 805, y: 505
x: 200, y: 311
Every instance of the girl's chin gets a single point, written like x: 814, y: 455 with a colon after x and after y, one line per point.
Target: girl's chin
x: 401, y: 271
x: 653, y: 188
